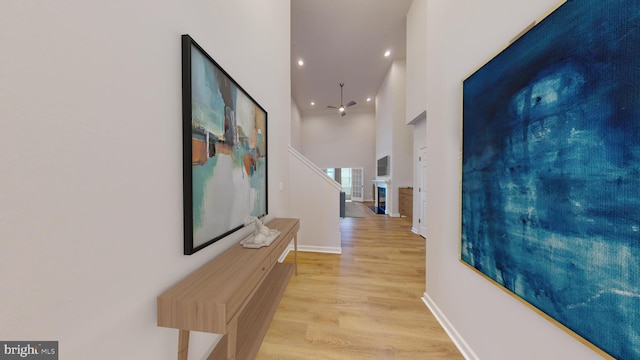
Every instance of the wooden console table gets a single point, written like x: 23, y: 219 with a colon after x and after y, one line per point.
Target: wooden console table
x: 235, y: 294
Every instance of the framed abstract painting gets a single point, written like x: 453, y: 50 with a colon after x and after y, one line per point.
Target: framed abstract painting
x: 224, y: 134
x: 551, y: 171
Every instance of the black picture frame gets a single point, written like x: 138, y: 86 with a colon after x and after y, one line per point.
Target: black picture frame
x: 224, y: 136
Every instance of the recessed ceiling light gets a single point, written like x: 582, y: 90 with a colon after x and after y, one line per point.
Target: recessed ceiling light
x: 368, y: 99
x: 300, y: 62
x: 387, y: 53
x: 313, y: 103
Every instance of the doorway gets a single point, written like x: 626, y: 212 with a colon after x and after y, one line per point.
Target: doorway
x: 422, y: 192
x: 351, y: 180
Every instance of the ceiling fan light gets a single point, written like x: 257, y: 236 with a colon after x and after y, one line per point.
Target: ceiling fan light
x: 341, y: 108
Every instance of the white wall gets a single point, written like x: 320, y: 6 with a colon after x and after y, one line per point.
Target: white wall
x: 393, y: 136
x: 296, y: 126
x: 341, y: 141
x: 416, y: 60
x: 384, y: 118
x: 401, y: 168
x: 462, y: 35
x: 90, y: 147
x: 417, y: 92
x: 315, y: 199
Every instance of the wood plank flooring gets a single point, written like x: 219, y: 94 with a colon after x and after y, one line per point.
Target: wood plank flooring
x: 363, y: 304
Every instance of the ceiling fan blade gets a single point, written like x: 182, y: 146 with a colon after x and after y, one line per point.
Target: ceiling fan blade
x: 342, y: 107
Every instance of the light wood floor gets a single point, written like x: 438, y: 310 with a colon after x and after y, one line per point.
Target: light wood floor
x: 363, y: 304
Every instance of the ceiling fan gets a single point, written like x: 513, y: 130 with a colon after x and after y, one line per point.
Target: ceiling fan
x: 342, y: 108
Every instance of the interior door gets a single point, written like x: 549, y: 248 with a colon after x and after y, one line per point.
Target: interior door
x: 423, y: 192
x: 357, y: 184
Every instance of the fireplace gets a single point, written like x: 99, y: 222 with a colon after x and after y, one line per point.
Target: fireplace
x: 381, y: 206
x: 381, y: 196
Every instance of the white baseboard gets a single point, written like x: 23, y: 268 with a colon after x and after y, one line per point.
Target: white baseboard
x: 320, y: 249
x: 457, y: 339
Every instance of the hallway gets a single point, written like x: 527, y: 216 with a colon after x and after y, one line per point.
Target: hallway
x: 363, y: 304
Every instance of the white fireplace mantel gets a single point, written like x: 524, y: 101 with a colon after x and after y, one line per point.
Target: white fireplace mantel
x: 382, y: 182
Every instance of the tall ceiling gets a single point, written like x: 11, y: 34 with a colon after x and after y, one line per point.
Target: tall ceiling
x: 343, y: 41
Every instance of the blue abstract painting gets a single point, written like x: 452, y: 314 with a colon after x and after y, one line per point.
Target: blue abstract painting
x: 551, y: 171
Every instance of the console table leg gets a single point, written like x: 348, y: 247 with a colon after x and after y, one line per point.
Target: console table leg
x: 295, y: 251
x: 183, y: 345
x: 232, y: 339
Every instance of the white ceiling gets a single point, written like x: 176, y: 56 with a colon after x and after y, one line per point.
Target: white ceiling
x: 343, y: 41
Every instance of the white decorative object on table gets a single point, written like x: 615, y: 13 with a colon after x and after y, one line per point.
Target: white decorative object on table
x: 262, y: 235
